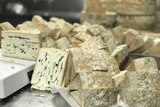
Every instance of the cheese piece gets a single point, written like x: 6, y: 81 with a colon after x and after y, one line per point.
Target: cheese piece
x: 77, y: 95
x: 148, y: 43
x: 36, y: 19
x: 75, y: 84
x: 106, y: 35
x: 80, y: 28
x: 136, y: 7
x: 136, y: 44
x: 93, y: 6
x: 158, y: 4
x: 97, y: 79
x: 90, y: 56
x: 141, y: 84
x: 28, y: 25
x: 51, y: 69
x: 82, y: 36
x: 130, y: 35
x: 153, y: 51
x: 64, y: 26
x: 140, y: 98
x: 119, y: 34
x: 21, y: 44
x: 101, y: 97
x: 62, y: 43
x: 109, y: 40
x: 117, y: 79
x: 133, y: 40
x: 6, y: 26
x: 109, y: 5
x: 48, y: 42
x: 137, y: 22
x: 106, y: 19
x: 120, y: 53
x: 142, y: 74
x: 49, y: 28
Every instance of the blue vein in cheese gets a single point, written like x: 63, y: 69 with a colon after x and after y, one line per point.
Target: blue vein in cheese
x: 50, y: 68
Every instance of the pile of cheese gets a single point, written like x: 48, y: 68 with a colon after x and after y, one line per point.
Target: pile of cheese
x: 86, y: 59
x: 137, y: 14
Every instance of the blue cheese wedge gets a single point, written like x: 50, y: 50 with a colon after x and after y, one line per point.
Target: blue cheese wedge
x: 50, y: 69
x: 21, y: 44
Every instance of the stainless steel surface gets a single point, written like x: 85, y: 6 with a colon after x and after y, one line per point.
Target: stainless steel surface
x: 33, y: 98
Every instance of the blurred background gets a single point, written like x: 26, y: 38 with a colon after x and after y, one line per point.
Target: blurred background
x: 17, y: 11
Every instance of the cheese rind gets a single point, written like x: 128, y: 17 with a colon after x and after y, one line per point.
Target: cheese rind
x: 140, y: 98
x: 106, y: 19
x: 21, y: 44
x: 50, y: 69
x: 28, y: 25
x: 102, y: 97
x: 62, y: 43
x: 6, y: 26
x: 120, y: 53
x: 64, y: 26
x: 119, y: 34
x: 141, y: 84
x: 136, y: 7
x: 96, y: 79
x: 90, y: 56
x: 137, y: 22
x: 93, y: 6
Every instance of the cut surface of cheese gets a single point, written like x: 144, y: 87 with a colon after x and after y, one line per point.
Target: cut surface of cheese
x: 50, y: 68
x: 21, y: 44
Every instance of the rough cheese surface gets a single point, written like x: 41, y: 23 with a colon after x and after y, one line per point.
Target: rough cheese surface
x: 136, y: 7
x: 140, y: 87
x: 101, y: 97
x: 136, y: 22
x: 50, y: 68
x: 91, y: 80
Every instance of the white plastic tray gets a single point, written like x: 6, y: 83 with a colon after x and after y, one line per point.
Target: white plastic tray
x: 13, y: 75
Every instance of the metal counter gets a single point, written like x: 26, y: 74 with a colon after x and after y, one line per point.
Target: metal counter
x: 33, y: 98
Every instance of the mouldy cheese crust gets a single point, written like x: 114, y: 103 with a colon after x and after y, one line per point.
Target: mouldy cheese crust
x: 106, y: 19
x: 136, y: 22
x: 96, y: 79
x: 136, y: 7
x: 5, y: 26
x: 140, y: 88
x: 21, y: 44
x: 90, y: 56
x: 93, y: 6
x: 101, y: 97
